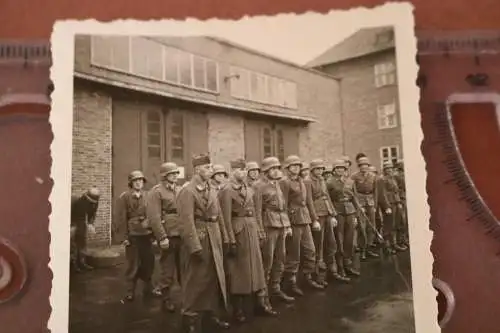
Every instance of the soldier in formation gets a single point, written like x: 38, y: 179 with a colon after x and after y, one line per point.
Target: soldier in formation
x: 254, y: 232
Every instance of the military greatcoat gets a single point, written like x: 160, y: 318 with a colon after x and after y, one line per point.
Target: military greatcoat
x: 203, y: 232
x: 246, y: 272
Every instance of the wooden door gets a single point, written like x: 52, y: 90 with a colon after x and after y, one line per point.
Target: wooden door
x: 126, y: 146
x: 153, y: 143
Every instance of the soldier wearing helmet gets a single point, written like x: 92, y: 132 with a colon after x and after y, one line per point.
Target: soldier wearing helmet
x: 271, y: 213
x: 244, y: 257
x: 400, y: 179
x: 204, y: 237
x: 348, y: 162
x: 301, y: 214
x: 83, y: 213
x: 219, y: 176
x: 253, y: 172
x: 327, y: 172
x: 347, y: 206
x: 393, y: 223
x: 132, y: 228
x: 323, y: 212
x: 162, y: 213
x: 365, y: 188
x: 304, y: 171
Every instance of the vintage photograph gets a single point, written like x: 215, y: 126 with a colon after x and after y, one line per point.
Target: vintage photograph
x: 246, y: 179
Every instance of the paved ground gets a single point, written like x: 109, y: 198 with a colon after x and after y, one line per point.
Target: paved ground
x: 378, y: 301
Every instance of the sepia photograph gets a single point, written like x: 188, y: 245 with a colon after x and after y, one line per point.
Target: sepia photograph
x: 239, y: 176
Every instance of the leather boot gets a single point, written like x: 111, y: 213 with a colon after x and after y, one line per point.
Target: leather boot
x: 321, y: 279
x: 239, y: 313
x: 292, y: 287
x: 82, y: 263
x: 352, y: 271
x: 362, y: 254
x: 190, y: 324
x: 130, y: 294
x: 280, y: 295
x: 215, y: 323
x: 311, y: 283
x: 264, y: 308
x: 372, y: 254
x: 149, y: 291
x: 166, y: 304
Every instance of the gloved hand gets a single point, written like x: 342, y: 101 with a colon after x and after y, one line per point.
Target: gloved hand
x: 164, y: 243
x: 334, y: 222
x: 316, y: 226
x: 232, y: 250
x: 288, y: 232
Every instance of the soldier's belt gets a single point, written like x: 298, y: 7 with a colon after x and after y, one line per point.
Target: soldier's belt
x: 274, y: 210
x: 210, y: 219
x: 366, y: 193
x: 170, y: 211
x: 245, y: 214
x: 343, y: 200
x: 321, y: 197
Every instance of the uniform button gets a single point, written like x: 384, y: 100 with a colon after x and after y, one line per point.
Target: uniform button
x: 13, y: 273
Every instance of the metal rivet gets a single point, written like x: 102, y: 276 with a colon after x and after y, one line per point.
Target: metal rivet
x: 445, y: 289
x: 13, y: 272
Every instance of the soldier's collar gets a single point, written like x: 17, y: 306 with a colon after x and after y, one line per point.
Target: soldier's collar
x: 237, y: 186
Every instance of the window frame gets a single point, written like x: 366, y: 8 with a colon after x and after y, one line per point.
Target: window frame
x: 382, y: 116
x: 164, y: 50
x: 390, y: 158
x: 383, y: 77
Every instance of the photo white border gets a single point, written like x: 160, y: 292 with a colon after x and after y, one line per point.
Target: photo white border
x: 400, y: 15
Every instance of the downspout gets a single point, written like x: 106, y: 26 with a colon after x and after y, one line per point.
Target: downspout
x: 341, y: 109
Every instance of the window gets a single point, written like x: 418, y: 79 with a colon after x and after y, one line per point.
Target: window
x: 177, y: 135
x: 268, y: 142
x: 281, y: 145
x: 146, y: 56
x: 387, y: 116
x: 389, y: 154
x: 385, y: 74
x: 385, y: 37
x: 110, y: 52
x: 154, y: 134
x: 262, y: 88
x: 150, y: 59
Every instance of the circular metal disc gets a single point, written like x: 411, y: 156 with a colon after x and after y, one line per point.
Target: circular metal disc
x: 13, y: 272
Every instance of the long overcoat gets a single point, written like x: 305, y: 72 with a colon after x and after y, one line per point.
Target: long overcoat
x: 245, y: 269
x: 202, y: 230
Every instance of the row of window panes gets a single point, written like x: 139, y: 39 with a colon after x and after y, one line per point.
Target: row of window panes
x: 154, y: 135
x: 263, y: 88
x: 150, y: 59
x: 385, y: 74
x: 387, y: 116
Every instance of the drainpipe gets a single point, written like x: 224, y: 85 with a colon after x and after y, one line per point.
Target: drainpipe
x: 341, y: 107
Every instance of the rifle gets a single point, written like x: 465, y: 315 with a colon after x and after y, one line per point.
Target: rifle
x: 374, y: 229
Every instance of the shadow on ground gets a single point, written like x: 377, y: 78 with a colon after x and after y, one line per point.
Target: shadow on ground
x: 379, y: 301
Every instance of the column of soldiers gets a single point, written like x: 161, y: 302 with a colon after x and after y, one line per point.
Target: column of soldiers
x: 260, y: 233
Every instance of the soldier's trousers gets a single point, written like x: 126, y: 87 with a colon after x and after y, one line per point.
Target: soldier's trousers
x: 326, y: 247
x: 169, y: 266
x: 402, y: 226
x: 140, y: 260
x: 392, y: 223
x: 344, y: 235
x: 366, y: 234
x: 300, y: 246
x: 273, y: 256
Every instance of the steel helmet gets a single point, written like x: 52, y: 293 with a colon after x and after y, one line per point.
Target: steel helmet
x: 305, y: 166
x: 136, y: 174
x: 363, y: 161
x: 219, y: 168
x: 292, y: 160
x: 387, y: 165
x: 317, y: 164
x: 168, y: 168
x: 270, y: 162
x: 253, y: 166
x: 340, y: 163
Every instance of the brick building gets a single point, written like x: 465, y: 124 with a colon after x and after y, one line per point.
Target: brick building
x: 141, y: 101
x: 365, y: 67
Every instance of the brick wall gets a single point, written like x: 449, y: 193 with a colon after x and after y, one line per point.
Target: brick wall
x: 92, y: 153
x: 360, y: 98
x: 226, y: 137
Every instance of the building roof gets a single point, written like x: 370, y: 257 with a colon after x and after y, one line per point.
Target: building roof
x: 363, y: 42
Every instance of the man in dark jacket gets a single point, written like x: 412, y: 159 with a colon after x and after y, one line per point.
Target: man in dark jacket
x: 83, y: 213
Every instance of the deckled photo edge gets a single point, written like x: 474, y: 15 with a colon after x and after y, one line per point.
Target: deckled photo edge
x: 400, y: 15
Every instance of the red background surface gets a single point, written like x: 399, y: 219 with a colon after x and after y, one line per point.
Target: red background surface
x: 464, y: 254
